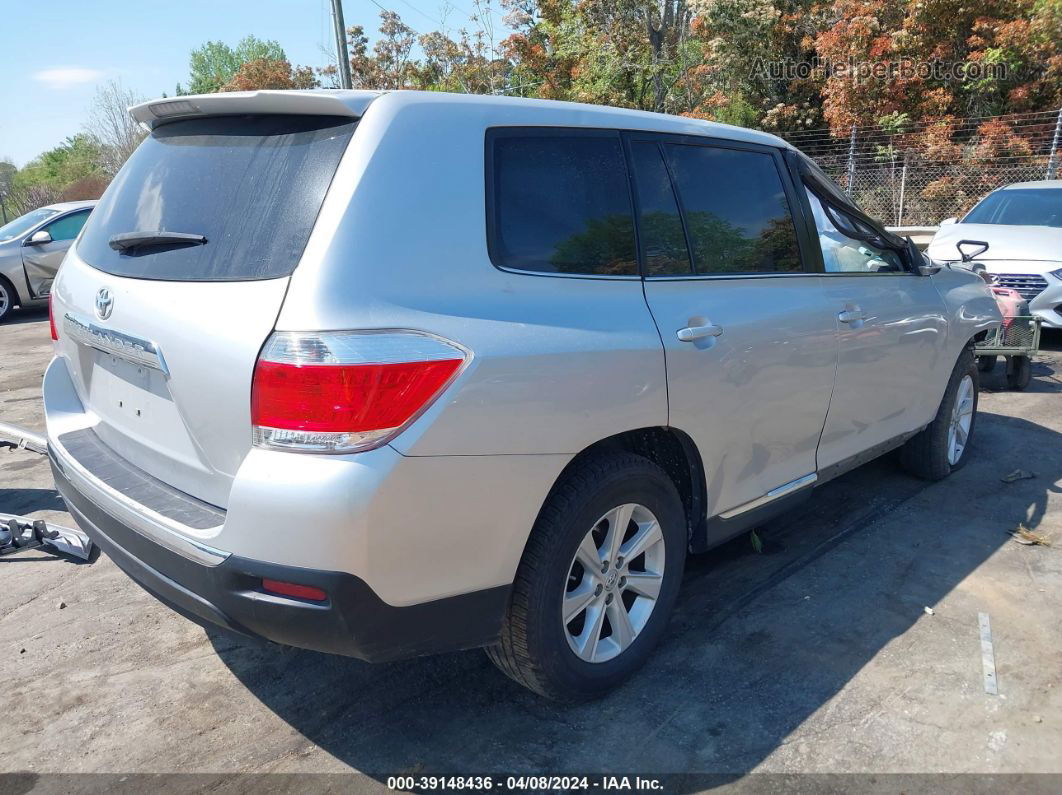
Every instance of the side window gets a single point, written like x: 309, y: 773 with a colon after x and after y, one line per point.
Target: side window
x: 67, y: 227
x: 561, y: 204
x: 662, y: 237
x: 843, y: 253
x: 737, y: 216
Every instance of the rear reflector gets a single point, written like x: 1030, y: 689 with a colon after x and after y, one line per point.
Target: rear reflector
x: 51, y: 318
x: 293, y: 590
x: 340, y: 392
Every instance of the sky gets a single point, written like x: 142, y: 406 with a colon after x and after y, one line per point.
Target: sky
x: 53, y: 61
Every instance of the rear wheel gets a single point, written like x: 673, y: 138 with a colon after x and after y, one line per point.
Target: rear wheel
x: 597, y: 581
x: 943, y: 446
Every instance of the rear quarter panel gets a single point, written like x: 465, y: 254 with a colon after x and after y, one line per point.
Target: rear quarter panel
x: 558, y: 363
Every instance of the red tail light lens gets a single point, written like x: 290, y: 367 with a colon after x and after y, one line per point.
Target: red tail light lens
x: 295, y: 590
x: 338, y: 392
x: 51, y: 318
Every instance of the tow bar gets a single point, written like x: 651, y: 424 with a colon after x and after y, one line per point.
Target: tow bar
x: 19, y: 533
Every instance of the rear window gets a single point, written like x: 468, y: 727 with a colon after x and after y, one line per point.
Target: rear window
x: 251, y: 185
x: 559, y: 203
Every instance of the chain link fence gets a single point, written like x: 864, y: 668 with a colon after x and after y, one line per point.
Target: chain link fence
x: 919, y: 174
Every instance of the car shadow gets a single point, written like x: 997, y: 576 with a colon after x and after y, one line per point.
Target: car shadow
x: 758, y: 643
x: 22, y: 315
x: 28, y: 500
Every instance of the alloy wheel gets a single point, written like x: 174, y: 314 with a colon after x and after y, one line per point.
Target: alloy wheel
x: 961, y: 420
x: 613, y: 583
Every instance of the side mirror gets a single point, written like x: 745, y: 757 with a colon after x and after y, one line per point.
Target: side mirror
x: 39, y: 238
x: 949, y: 221
x: 969, y: 249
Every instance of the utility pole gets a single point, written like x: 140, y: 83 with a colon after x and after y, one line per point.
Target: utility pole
x: 343, y: 61
x: 3, y: 209
x: 1052, y: 162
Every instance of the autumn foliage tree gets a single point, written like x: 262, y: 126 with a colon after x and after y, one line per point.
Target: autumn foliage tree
x: 265, y: 73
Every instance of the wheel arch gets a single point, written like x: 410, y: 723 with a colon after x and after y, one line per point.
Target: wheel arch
x: 674, y: 451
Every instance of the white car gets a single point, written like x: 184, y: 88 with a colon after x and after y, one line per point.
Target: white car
x: 1022, y: 225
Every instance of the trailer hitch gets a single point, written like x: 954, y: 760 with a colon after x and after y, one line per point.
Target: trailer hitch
x: 19, y: 438
x: 19, y: 533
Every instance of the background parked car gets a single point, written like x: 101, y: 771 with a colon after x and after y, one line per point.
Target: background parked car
x: 31, y: 249
x: 1022, y: 225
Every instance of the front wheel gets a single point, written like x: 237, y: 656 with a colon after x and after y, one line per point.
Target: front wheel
x: 597, y: 581
x: 943, y: 446
x: 7, y: 299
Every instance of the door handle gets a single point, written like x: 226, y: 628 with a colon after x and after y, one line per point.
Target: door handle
x: 694, y: 333
x: 851, y: 315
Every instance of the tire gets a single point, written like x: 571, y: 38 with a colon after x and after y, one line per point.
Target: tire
x: 537, y: 648
x: 930, y: 453
x: 1019, y: 371
x: 986, y: 364
x: 8, y: 297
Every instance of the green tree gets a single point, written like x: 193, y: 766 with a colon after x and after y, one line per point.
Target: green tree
x: 216, y: 63
x: 74, y: 164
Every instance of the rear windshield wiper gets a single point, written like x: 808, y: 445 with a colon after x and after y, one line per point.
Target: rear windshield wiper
x: 128, y: 240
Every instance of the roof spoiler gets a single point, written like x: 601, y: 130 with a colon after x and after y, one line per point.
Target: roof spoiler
x: 309, y: 103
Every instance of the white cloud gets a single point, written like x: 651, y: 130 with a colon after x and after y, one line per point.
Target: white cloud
x: 67, y: 76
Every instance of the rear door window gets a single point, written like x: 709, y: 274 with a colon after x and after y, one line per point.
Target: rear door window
x: 663, y: 238
x: 559, y: 202
x: 737, y: 215
x: 251, y: 185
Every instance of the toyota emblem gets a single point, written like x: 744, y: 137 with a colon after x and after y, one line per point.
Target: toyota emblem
x: 104, y: 303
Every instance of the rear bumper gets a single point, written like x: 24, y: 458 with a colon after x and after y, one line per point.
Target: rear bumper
x: 353, y: 621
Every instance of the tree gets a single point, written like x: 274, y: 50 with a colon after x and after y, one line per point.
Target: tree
x: 43, y: 180
x: 7, y: 177
x: 115, y: 132
x: 216, y: 63
x: 263, y: 73
x: 1020, y: 38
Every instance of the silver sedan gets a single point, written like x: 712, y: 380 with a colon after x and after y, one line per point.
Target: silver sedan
x: 32, y: 247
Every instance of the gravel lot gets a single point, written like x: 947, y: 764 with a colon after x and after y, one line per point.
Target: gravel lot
x: 817, y: 656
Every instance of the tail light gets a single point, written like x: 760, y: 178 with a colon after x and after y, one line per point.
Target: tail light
x: 51, y: 318
x: 345, y: 391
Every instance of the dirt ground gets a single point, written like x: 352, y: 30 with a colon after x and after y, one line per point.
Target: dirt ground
x: 817, y: 656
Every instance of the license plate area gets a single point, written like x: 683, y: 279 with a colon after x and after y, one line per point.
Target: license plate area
x: 127, y: 393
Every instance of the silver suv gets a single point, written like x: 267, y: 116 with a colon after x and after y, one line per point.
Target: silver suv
x: 392, y: 374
